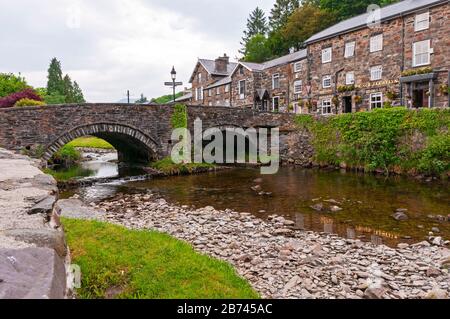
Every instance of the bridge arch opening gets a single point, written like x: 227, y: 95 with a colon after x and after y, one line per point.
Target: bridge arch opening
x: 131, y: 144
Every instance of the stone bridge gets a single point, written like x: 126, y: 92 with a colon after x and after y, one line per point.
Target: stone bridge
x: 138, y: 132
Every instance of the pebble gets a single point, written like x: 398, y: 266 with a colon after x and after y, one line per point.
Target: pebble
x: 267, y: 253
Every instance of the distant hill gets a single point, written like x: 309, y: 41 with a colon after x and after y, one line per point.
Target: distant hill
x: 166, y: 98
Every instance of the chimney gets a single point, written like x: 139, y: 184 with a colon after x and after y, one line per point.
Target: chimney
x: 222, y: 63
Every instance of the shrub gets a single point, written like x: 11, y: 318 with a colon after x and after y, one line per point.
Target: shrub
x: 417, y: 71
x: 10, y: 83
x: 179, y: 117
x: 67, y: 155
x: 11, y: 100
x: 29, y: 102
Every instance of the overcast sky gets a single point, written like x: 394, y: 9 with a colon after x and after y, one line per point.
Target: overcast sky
x: 109, y: 46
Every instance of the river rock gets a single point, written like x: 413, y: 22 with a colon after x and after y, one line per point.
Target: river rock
x: 375, y: 292
x: 335, y: 209
x: 318, y: 207
x: 400, y: 216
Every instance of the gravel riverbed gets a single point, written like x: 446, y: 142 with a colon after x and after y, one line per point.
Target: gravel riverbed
x: 280, y: 262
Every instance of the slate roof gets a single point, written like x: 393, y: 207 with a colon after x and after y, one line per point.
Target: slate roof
x: 272, y: 63
x: 387, y: 13
x: 185, y: 97
x: 210, y: 66
x: 225, y: 80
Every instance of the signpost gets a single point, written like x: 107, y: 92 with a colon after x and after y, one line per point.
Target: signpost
x: 173, y: 84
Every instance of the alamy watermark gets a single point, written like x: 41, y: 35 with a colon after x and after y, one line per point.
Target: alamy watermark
x: 228, y: 145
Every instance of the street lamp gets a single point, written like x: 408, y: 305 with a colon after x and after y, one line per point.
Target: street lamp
x: 173, y: 84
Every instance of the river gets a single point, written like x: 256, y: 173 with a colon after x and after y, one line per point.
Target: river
x: 364, y: 203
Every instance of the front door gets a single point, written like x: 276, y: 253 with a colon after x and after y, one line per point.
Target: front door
x: 419, y: 98
x: 347, y: 104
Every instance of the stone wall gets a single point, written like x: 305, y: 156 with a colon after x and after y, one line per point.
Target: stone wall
x: 33, y: 251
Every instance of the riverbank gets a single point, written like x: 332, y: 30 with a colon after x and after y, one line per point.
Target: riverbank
x: 384, y: 141
x: 33, y: 252
x: 281, y: 262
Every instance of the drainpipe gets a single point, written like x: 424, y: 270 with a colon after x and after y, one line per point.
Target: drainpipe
x: 336, y: 75
x: 402, y: 67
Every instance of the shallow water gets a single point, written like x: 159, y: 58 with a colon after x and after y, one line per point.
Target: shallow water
x: 367, y: 201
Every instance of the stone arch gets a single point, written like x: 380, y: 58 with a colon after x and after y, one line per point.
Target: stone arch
x: 132, y: 144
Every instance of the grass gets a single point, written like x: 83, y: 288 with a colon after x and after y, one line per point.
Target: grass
x: 90, y: 142
x: 167, y: 166
x: 128, y: 264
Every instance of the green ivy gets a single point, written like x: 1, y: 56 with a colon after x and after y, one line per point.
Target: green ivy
x: 179, y: 117
x: 384, y: 139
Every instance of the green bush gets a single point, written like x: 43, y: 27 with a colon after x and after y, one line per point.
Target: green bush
x: 179, y: 117
x: 29, y: 102
x: 67, y: 155
x: 383, y: 139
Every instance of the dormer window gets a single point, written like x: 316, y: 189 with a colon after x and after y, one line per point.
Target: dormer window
x: 422, y: 21
x: 241, y: 70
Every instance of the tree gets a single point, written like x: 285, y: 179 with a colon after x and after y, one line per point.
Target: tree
x: 55, y: 84
x: 256, y: 24
x: 281, y: 12
x: 10, y: 83
x: 68, y: 90
x: 344, y: 9
x: 142, y: 100
x: 305, y: 22
x: 257, y: 49
x: 78, y: 96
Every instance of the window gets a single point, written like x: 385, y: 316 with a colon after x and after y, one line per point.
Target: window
x: 199, y: 77
x: 218, y: 90
x: 241, y: 70
x: 297, y: 67
x: 227, y: 88
x: 325, y: 107
x: 326, y: 55
x: 242, y: 89
x: 199, y: 94
x: 376, y: 43
x: 350, y: 78
x: 422, y: 21
x: 349, y: 49
x: 227, y: 102
x: 376, y: 73
x: 326, y: 81
x: 210, y: 104
x: 376, y: 100
x: 298, y: 87
x: 209, y: 92
x: 421, y: 53
x: 275, y: 104
x: 275, y: 81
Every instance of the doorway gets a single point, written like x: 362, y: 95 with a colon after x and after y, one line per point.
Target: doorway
x: 419, y: 98
x: 348, y: 104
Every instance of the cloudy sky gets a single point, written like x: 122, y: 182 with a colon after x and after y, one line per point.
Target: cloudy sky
x: 109, y: 46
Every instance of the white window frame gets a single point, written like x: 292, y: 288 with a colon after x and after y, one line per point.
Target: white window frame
x: 210, y: 92
x: 273, y: 103
x: 227, y: 102
x: 375, y: 70
x: 201, y: 93
x: 422, y: 21
x: 218, y: 90
x: 428, y: 53
x: 376, y: 43
x: 350, y: 78
x: 196, y: 94
x: 327, y: 55
x: 326, y: 78
x: 350, y: 48
x: 227, y: 88
x: 326, y: 104
x: 199, y: 77
x: 276, y: 77
x: 297, y: 67
x: 372, y: 102
x: 241, y: 90
x: 298, y: 87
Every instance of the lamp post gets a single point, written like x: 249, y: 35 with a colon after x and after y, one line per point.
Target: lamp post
x: 173, y: 84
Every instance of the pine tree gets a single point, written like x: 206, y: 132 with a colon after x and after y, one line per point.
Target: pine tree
x: 78, y: 96
x: 256, y: 24
x: 55, y: 84
x: 142, y: 100
x: 281, y: 12
x: 69, y: 91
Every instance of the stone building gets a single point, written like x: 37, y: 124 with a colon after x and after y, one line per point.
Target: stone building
x: 401, y: 60
x: 207, y: 72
